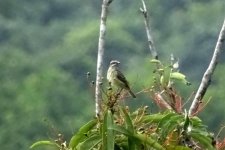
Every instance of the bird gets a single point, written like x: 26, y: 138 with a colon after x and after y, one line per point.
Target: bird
x: 116, y: 78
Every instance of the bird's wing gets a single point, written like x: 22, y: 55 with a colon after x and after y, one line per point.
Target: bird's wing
x: 122, y: 78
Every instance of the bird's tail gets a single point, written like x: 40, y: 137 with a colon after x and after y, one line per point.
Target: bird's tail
x: 132, y: 94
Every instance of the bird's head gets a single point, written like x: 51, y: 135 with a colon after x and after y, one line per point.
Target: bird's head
x: 114, y: 63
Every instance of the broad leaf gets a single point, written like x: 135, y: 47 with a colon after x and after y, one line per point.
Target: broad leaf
x: 89, y: 143
x: 81, y: 135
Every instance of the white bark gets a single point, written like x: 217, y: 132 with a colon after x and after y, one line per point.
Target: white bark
x: 101, y: 47
x: 206, y: 79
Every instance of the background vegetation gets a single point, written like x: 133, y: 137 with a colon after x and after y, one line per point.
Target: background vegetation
x: 47, y: 46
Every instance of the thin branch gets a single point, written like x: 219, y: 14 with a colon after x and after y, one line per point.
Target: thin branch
x: 147, y: 28
x: 201, y: 107
x: 153, y: 51
x: 206, y: 79
x: 101, y: 47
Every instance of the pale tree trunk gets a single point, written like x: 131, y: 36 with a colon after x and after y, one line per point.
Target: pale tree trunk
x: 101, y: 47
x: 206, y: 79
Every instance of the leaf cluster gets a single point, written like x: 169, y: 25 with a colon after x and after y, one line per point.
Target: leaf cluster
x: 125, y: 130
x: 119, y: 128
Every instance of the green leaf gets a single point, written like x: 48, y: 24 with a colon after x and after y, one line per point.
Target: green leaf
x: 108, y: 134
x: 80, y: 136
x: 179, y: 76
x: 89, y: 143
x: 121, y: 130
x: 43, y: 143
x: 166, y: 119
x: 165, y: 76
x: 128, y: 121
x: 137, y: 138
x: 203, y: 140
x: 186, y: 122
x: 170, y: 125
x: 197, y: 123
x: 149, y: 141
x: 155, y: 118
x: 104, y: 131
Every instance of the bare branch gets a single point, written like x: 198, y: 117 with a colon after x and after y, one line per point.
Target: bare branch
x: 206, y: 79
x: 101, y: 47
x: 147, y: 28
x: 152, y: 50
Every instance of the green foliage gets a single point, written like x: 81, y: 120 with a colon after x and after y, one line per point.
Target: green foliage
x: 119, y: 128
x: 167, y: 130
x: 81, y: 135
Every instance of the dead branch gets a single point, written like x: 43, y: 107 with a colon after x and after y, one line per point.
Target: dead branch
x: 152, y: 49
x: 206, y: 79
x: 101, y: 47
x: 147, y: 28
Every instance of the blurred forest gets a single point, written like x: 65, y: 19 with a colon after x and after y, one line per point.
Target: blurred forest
x: 47, y: 46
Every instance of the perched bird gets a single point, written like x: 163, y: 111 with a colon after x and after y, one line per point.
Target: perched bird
x: 116, y: 77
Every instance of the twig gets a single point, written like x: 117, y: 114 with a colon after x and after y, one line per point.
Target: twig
x: 206, y: 79
x: 221, y: 129
x: 147, y: 28
x: 153, y: 51
x: 101, y: 47
x: 201, y: 107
